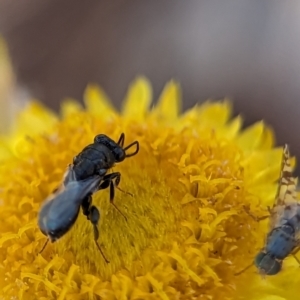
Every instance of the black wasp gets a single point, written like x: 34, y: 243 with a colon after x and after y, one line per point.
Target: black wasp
x: 85, y: 176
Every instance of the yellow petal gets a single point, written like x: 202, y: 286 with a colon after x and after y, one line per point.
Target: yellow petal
x: 96, y: 101
x: 233, y: 128
x: 138, y: 99
x: 35, y: 119
x: 217, y: 113
x: 169, y: 104
x: 69, y: 107
x: 251, y: 138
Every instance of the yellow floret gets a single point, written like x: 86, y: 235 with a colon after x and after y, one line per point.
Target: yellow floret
x: 187, y: 233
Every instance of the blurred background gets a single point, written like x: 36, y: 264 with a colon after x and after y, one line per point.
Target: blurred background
x: 245, y: 49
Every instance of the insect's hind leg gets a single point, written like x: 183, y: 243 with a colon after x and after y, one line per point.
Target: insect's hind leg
x: 255, y: 218
x: 295, y: 251
x: 44, y: 246
x: 93, y: 215
x: 116, y: 177
x: 112, y: 181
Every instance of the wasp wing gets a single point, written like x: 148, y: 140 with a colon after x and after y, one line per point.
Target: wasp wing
x: 286, y: 208
x: 69, y: 175
x: 60, y: 208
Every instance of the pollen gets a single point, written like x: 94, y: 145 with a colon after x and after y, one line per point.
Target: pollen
x: 187, y: 233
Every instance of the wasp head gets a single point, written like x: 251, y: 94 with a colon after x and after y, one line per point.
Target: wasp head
x: 119, y: 154
x: 267, y: 264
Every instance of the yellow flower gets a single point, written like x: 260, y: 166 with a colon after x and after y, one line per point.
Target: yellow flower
x: 187, y: 233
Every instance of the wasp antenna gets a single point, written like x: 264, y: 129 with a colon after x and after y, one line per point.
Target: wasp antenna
x: 121, y: 140
x: 136, y: 143
x: 44, y: 246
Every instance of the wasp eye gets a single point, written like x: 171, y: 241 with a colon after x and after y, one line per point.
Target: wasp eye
x: 119, y: 154
x: 276, y: 267
x: 268, y: 264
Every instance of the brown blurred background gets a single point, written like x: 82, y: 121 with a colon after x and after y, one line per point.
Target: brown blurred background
x: 246, y: 49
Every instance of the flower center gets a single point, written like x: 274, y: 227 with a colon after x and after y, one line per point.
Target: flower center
x: 152, y: 223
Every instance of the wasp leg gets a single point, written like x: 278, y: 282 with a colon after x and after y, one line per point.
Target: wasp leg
x: 85, y: 205
x: 110, y: 177
x: 117, y: 182
x: 46, y: 243
x: 296, y: 250
x: 93, y: 215
x: 104, y: 185
x: 257, y: 219
x: 112, y: 181
x: 243, y: 270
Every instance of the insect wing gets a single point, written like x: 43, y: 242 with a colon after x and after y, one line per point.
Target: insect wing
x: 286, y: 206
x: 69, y: 175
x: 63, y: 206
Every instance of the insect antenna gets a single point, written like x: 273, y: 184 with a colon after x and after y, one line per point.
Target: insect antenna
x: 121, y: 140
x: 46, y: 243
x: 136, y: 143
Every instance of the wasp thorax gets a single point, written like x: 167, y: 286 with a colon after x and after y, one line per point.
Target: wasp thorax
x: 105, y: 140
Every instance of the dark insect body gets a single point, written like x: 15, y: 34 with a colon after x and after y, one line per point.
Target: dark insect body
x: 98, y: 158
x: 87, y: 175
x: 284, y: 235
x: 60, y: 210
